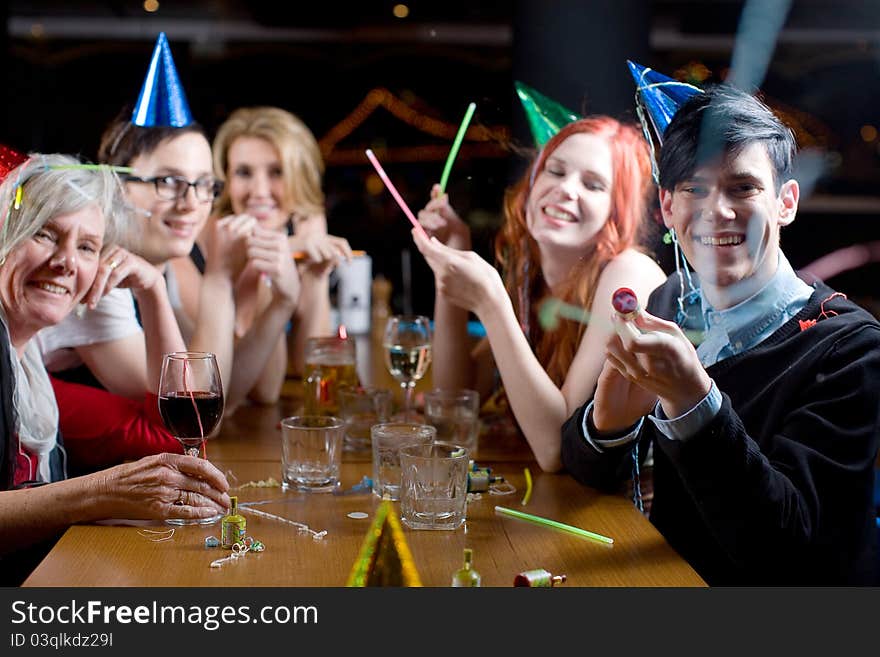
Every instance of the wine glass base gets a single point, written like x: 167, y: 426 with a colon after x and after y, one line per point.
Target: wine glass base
x: 178, y: 522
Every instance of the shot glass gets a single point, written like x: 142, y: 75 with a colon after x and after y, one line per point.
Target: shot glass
x: 330, y: 364
x: 456, y: 416
x: 433, y: 486
x: 361, y: 408
x: 387, y: 440
x: 311, y: 451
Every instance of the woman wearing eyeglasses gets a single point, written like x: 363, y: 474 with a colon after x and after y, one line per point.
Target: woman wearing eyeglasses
x: 171, y: 188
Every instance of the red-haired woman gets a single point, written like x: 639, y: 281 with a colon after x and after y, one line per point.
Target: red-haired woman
x: 571, y: 231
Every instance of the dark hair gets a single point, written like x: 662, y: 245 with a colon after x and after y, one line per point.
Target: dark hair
x: 722, y: 120
x: 123, y: 141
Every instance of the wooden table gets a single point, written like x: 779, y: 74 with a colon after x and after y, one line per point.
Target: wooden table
x: 91, y: 555
x: 248, y: 449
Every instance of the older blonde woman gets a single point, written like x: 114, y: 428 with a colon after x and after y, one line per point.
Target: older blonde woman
x: 50, y: 251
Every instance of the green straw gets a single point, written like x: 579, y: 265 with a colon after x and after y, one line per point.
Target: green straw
x: 456, y: 145
x: 538, y: 520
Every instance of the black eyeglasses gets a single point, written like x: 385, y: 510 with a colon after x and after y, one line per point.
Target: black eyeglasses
x: 171, y: 188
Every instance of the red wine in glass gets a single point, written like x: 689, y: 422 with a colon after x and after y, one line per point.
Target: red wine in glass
x: 191, y: 404
x: 191, y: 416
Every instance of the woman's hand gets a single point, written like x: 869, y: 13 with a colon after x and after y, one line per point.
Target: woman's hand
x: 268, y: 253
x: 121, y: 268
x: 225, y: 241
x: 462, y: 277
x: 440, y: 220
x: 320, y: 253
x: 163, y: 486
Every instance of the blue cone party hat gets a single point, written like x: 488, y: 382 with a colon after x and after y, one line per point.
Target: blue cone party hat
x: 546, y: 117
x: 660, y: 95
x: 162, y: 101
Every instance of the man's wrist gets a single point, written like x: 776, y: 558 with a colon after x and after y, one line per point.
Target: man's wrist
x: 674, y: 408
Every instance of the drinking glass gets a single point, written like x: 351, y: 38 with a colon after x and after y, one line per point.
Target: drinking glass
x: 433, y: 485
x: 456, y: 414
x: 362, y: 408
x: 330, y: 364
x: 407, y: 345
x: 388, y: 438
x: 191, y: 405
x: 311, y: 452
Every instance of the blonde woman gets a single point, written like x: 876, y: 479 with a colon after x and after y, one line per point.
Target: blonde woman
x: 272, y: 171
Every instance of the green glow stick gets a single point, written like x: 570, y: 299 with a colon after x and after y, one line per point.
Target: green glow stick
x: 90, y: 167
x: 538, y: 520
x: 456, y: 145
x: 552, y: 309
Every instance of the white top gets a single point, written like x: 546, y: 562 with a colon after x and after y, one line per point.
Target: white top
x: 112, y: 319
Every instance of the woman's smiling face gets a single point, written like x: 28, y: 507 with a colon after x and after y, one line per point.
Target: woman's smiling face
x: 570, y: 200
x: 169, y: 227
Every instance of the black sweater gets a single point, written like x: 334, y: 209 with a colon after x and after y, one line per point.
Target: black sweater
x: 777, y: 489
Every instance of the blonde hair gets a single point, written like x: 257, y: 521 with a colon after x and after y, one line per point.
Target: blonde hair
x: 301, y: 163
x: 53, y: 185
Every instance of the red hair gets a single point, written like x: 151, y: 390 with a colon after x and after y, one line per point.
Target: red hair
x: 517, y: 252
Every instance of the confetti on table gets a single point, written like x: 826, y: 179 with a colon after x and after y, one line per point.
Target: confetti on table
x: 528, y: 495
x: 302, y: 527
x: 163, y: 535
x: 271, y: 482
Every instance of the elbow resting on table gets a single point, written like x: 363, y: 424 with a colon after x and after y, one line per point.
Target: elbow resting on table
x: 549, y: 460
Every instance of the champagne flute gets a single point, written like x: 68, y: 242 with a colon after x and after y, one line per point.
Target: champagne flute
x: 191, y: 405
x: 407, y: 345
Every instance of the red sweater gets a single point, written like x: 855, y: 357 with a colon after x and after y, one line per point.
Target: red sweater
x: 102, y: 429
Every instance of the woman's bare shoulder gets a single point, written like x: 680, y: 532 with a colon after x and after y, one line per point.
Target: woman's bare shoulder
x: 634, y: 263
x: 632, y: 269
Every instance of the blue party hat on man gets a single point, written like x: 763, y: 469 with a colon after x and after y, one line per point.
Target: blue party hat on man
x: 162, y: 101
x: 661, y: 96
x: 546, y: 117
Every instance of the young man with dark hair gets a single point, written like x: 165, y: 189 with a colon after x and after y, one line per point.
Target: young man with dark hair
x: 765, y: 434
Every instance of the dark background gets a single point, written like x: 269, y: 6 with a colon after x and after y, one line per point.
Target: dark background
x: 67, y: 68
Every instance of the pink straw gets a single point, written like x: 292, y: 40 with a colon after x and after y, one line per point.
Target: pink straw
x: 395, y: 194
x: 196, y: 407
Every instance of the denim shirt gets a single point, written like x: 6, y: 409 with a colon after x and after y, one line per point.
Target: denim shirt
x: 727, y: 333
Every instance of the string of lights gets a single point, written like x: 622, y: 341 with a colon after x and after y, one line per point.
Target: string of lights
x: 492, y: 138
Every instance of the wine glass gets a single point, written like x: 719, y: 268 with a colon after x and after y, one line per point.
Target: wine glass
x: 191, y: 405
x: 407, y: 345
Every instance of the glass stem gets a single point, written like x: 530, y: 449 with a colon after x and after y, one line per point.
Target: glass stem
x: 407, y: 400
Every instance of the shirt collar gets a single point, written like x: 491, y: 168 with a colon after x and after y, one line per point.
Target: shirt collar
x: 744, y: 325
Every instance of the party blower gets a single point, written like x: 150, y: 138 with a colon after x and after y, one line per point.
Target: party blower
x: 626, y: 304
